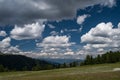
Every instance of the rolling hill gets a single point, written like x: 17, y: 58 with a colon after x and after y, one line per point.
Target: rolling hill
x: 19, y: 62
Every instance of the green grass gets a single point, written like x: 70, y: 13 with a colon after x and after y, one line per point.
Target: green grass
x: 91, y: 72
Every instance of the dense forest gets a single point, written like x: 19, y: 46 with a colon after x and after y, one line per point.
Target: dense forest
x: 22, y: 63
x: 109, y: 57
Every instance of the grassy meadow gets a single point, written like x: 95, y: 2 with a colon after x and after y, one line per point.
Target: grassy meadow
x: 90, y: 72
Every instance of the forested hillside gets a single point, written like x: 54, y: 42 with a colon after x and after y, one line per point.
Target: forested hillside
x: 19, y: 62
x: 109, y: 57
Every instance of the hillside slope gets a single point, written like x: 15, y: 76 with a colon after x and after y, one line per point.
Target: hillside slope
x: 19, y: 62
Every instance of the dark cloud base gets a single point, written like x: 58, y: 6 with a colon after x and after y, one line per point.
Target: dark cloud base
x: 24, y: 11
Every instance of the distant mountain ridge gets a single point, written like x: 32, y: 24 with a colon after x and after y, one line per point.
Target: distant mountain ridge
x: 62, y: 61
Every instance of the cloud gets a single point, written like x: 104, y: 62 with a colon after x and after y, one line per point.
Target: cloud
x: 25, y: 12
x: 69, y: 53
x: 55, y: 41
x: 103, y: 37
x: 81, y: 19
x: 118, y: 25
x: 53, y: 33
x: 109, y: 3
x: 29, y: 31
x: 6, y: 47
x: 71, y: 30
x: 13, y: 49
x: 5, y: 43
x: 3, y: 33
x: 51, y: 26
x: 56, y: 47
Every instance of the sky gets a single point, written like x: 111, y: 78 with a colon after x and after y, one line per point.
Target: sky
x: 64, y: 29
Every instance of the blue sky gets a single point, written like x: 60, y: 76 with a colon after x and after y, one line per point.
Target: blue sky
x: 54, y: 29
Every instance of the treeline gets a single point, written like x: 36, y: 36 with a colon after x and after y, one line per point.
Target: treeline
x: 22, y: 63
x: 68, y: 65
x: 109, y: 57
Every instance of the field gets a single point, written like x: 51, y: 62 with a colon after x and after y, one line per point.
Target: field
x: 92, y: 72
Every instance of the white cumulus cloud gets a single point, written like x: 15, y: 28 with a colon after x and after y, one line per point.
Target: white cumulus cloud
x: 3, y: 33
x: 56, y: 47
x: 29, y: 31
x: 6, y: 47
x: 5, y: 42
x: 81, y: 19
x: 55, y: 41
x: 103, y: 37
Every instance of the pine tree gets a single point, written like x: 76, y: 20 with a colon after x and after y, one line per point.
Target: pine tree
x: 2, y: 69
x: 65, y: 65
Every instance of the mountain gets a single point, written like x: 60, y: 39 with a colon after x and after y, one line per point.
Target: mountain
x: 19, y: 62
x: 62, y: 61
